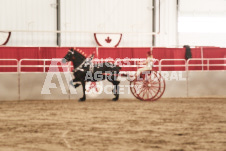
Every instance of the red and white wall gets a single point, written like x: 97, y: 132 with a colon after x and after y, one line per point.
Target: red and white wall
x: 116, y: 53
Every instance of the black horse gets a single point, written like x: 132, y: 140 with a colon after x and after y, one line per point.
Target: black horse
x: 85, y: 70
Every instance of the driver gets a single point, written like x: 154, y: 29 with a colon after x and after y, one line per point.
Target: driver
x: 148, y: 62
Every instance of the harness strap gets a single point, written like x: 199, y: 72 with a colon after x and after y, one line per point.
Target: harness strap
x: 86, y: 62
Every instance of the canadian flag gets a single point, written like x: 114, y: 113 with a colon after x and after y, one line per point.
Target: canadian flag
x: 4, y: 37
x: 108, y: 39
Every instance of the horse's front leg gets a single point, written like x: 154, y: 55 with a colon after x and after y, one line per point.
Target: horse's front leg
x: 84, y: 91
x: 78, y: 83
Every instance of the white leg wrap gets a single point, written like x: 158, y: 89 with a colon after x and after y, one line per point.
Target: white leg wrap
x: 78, y: 82
x: 74, y: 83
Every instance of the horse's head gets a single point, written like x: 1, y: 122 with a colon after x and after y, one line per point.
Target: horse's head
x: 76, y: 56
x: 69, y: 56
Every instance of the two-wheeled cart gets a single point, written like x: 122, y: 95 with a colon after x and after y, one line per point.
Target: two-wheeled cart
x: 148, y: 86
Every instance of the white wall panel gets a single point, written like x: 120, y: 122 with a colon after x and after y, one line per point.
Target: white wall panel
x: 168, y: 24
x: 9, y: 86
x: 31, y: 86
x: 109, y: 16
x: 202, y: 22
x: 206, y: 84
x: 29, y: 15
x: 202, y: 39
x: 106, y: 16
x: 195, y: 84
x: 177, y: 87
x: 198, y: 6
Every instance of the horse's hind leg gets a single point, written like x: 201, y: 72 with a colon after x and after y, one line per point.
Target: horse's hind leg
x: 113, y: 80
x: 84, y: 89
x: 116, y: 90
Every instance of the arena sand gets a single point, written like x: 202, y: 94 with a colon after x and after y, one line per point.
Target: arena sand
x: 102, y: 125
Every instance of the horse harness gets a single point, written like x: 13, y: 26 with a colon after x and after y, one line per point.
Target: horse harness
x: 86, y: 63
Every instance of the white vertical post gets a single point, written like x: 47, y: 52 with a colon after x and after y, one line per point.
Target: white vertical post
x: 19, y: 70
x: 97, y: 52
x: 208, y: 64
x: 44, y: 66
x: 202, y: 56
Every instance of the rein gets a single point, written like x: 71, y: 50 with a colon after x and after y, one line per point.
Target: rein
x: 73, y: 58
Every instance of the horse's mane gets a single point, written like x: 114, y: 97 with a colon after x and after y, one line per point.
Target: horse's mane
x: 79, y: 54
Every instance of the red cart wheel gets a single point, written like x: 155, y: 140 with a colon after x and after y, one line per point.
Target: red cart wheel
x: 146, y: 86
x: 162, y: 87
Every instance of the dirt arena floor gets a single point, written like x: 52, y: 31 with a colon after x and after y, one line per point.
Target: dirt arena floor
x: 102, y: 125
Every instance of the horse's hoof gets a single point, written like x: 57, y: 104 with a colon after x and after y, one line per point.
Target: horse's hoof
x: 82, y: 99
x: 115, y: 99
x: 76, y: 85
